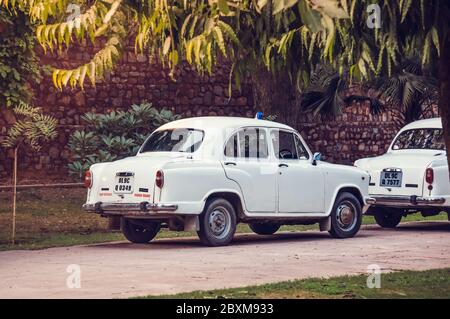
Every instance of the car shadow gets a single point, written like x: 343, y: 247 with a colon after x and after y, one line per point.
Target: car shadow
x: 428, y: 226
x: 239, y: 240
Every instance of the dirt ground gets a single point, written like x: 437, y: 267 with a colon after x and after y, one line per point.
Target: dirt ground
x: 122, y: 269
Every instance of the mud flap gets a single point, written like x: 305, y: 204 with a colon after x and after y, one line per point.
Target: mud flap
x: 325, y: 224
x: 191, y: 223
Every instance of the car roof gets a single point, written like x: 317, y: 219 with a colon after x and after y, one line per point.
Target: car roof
x: 223, y: 122
x: 428, y: 123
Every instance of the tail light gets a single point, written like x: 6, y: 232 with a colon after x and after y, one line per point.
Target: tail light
x: 88, y: 179
x: 429, y: 175
x: 159, y: 179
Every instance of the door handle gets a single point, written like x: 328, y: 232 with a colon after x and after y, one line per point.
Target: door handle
x: 230, y: 163
x: 283, y: 165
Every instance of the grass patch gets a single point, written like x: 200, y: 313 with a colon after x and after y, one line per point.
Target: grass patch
x: 53, y: 217
x: 404, y: 284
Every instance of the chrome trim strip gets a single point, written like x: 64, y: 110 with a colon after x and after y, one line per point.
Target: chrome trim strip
x: 143, y: 207
x: 407, y: 200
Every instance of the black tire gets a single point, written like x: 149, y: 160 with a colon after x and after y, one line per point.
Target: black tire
x: 217, y: 223
x: 387, y: 218
x: 139, y: 231
x: 346, y: 216
x: 264, y: 228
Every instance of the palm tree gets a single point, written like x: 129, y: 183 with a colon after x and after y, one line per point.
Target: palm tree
x: 327, y: 94
x: 410, y: 93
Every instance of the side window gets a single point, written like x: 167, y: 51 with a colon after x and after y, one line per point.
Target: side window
x: 284, y: 144
x: 302, y: 153
x: 231, y: 148
x: 253, y: 143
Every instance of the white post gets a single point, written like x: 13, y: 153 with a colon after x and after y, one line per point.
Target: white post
x: 14, y: 196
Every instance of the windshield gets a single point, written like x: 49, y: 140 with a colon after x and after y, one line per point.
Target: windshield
x: 422, y: 139
x: 175, y: 140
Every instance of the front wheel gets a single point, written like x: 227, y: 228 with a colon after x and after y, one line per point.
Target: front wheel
x: 217, y: 223
x: 346, y: 216
x: 139, y: 231
x: 264, y: 228
x: 386, y: 218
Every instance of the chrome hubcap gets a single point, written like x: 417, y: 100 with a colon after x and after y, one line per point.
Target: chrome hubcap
x: 219, y: 222
x: 346, y: 215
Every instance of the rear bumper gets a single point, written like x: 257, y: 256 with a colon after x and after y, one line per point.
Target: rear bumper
x: 134, y: 209
x: 407, y: 201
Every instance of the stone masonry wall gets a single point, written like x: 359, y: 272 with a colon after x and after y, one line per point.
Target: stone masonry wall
x: 135, y: 79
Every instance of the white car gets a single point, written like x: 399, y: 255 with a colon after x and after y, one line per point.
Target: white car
x: 210, y: 173
x: 412, y: 176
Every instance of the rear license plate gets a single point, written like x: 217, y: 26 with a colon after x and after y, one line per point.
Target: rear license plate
x: 391, y: 179
x: 124, y: 185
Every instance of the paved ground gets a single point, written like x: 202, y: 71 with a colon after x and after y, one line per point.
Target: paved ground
x: 168, y: 266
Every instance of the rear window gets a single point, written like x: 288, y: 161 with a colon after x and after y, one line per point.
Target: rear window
x: 423, y: 139
x: 176, y: 140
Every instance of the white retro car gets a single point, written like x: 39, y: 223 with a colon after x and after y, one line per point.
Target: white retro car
x: 210, y: 173
x: 412, y: 176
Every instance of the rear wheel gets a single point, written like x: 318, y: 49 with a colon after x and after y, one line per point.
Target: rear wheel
x: 387, y: 218
x: 264, y: 228
x: 217, y: 223
x: 346, y: 216
x: 139, y: 231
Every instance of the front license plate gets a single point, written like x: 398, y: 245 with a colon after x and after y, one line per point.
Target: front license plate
x: 124, y: 185
x: 391, y: 179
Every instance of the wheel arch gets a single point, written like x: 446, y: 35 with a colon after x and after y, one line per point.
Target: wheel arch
x: 233, y: 197
x: 352, y: 189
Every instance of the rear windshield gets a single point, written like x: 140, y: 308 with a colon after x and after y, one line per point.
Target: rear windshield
x: 176, y: 140
x: 422, y: 139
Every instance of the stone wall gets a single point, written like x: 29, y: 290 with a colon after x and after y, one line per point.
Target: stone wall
x: 135, y: 79
x: 352, y: 135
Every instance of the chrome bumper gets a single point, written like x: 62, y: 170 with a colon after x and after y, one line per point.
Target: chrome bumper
x: 143, y: 208
x: 406, y: 201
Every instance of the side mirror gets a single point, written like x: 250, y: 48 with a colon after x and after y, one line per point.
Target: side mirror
x: 316, y: 158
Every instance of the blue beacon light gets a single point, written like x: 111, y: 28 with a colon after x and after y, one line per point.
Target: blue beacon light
x: 259, y: 116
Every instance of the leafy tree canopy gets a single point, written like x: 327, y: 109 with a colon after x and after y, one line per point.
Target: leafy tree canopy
x: 292, y: 35
x: 18, y: 64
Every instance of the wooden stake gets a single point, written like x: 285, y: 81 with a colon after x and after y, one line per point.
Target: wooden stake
x: 14, y: 196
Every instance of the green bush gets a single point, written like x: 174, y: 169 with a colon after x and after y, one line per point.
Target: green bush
x: 114, y: 135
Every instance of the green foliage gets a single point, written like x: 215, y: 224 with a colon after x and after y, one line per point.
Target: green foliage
x: 285, y: 36
x: 410, y: 92
x: 18, y: 65
x: 328, y: 93
x: 200, y: 31
x: 114, y: 135
x: 33, y: 128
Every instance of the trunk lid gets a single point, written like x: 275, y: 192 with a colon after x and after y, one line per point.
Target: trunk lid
x: 131, y: 180
x: 399, y: 173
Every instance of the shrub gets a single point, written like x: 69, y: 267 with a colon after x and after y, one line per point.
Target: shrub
x: 114, y: 135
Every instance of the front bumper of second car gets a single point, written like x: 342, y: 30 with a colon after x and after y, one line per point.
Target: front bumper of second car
x: 407, y: 201
x: 140, y: 209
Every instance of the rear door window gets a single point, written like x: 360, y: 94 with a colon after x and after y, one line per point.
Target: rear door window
x: 248, y: 143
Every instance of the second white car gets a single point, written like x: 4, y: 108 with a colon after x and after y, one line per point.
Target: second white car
x: 412, y: 176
